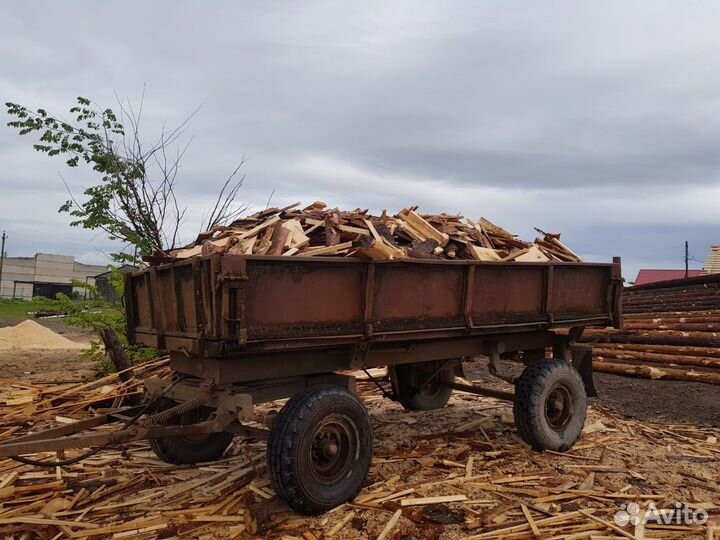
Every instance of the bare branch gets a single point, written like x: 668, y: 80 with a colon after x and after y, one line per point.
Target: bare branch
x: 225, y: 208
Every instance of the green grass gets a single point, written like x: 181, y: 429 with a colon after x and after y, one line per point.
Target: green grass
x: 17, y: 310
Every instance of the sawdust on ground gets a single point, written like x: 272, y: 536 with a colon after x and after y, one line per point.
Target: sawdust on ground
x: 31, y: 335
x: 468, y: 450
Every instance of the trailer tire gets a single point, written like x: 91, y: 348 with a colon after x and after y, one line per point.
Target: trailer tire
x: 550, y: 405
x: 432, y: 395
x: 196, y: 449
x: 320, y: 449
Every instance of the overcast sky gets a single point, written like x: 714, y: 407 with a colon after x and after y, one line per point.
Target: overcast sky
x: 590, y: 119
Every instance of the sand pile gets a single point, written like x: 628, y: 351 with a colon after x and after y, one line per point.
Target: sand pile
x: 30, y: 335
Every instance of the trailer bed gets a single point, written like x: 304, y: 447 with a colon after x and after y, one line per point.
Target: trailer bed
x: 222, y: 304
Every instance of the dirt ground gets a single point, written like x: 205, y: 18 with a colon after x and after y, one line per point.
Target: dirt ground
x: 53, y: 365
x: 659, y: 400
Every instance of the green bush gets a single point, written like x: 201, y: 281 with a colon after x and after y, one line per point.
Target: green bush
x: 97, y: 315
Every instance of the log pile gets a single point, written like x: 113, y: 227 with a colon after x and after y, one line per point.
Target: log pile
x: 318, y: 231
x: 671, y: 331
x: 694, y: 294
x: 456, y: 473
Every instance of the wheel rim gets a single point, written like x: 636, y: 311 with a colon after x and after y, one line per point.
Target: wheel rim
x: 431, y: 389
x: 431, y: 383
x: 335, y: 443
x: 558, y: 407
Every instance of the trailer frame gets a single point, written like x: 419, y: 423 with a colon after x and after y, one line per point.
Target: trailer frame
x: 230, y: 351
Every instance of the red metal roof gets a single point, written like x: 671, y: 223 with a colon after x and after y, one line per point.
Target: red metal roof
x: 653, y: 276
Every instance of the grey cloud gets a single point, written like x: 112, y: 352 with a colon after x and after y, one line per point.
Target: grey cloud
x: 378, y: 104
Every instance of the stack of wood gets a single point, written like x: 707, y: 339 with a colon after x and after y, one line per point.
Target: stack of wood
x: 318, y: 231
x: 671, y: 331
x: 712, y: 264
x: 460, y: 472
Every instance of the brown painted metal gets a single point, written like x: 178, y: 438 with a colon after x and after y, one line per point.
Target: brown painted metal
x: 68, y: 429
x: 252, y: 304
x: 53, y: 442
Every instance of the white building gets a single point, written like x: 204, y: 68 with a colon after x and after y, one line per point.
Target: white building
x: 45, y: 275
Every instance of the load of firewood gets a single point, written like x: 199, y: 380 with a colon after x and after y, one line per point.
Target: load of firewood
x: 318, y: 231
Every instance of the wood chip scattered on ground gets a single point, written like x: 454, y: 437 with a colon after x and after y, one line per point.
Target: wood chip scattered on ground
x: 433, y: 477
x: 318, y: 231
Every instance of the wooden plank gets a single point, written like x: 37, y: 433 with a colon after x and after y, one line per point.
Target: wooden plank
x: 347, y: 518
x: 410, y: 230
x: 483, y: 254
x: 326, y: 250
x: 519, y: 528
x: 373, y: 230
x: 609, y: 525
x: 491, y: 228
x: 530, y: 520
x: 433, y: 500
x: 390, y: 525
x: 423, y: 227
x: 299, y: 239
x: 258, y: 228
x: 29, y: 520
x: 354, y: 230
x: 189, y: 252
x: 533, y: 254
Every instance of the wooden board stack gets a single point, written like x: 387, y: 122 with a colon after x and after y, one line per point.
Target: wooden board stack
x: 318, y: 231
x: 712, y: 264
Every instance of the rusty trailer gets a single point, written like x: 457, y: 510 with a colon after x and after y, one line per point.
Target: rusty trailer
x: 243, y: 330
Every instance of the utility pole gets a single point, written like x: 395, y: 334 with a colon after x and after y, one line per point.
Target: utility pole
x: 687, y: 258
x: 2, y: 259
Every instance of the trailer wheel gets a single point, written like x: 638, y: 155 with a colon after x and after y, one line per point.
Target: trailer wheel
x: 416, y: 393
x: 320, y: 449
x: 550, y: 405
x: 192, y: 449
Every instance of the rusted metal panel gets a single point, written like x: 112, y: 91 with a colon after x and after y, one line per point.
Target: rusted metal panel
x: 261, y: 364
x: 185, y: 292
x: 139, y: 296
x: 409, y: 296
x: 220, y: 304
x: 579, y: 291
x: 287, y: 298
x: 506, y: 293
x: 165, y: 299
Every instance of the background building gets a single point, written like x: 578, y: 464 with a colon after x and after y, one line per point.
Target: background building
x: 45, y: 275
x: 104, y: 286
x: 646, y: 275
x: 712, y: 264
